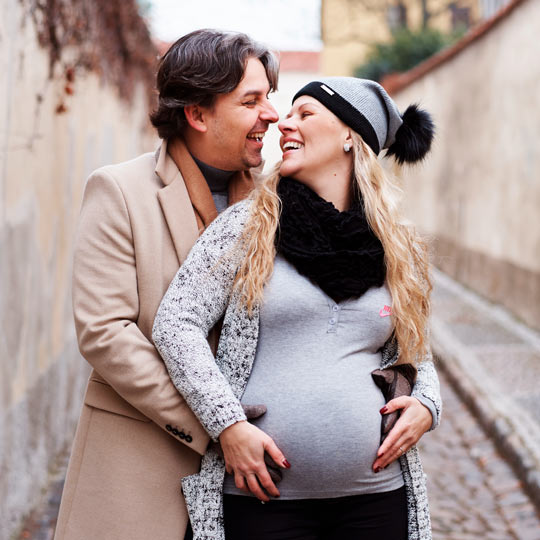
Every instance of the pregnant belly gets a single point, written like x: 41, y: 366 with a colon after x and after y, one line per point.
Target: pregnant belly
x: 329, y: 435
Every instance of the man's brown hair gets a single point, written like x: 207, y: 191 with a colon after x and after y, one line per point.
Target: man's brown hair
x: 198, y: 67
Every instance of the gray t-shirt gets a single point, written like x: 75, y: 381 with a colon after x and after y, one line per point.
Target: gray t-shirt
x: 312, y: 371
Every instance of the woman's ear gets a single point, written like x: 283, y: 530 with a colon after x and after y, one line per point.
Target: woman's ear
x: 195, y: 117
x: 348, y: 143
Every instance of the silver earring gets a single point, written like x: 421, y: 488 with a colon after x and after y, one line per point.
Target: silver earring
x: 346, y: 147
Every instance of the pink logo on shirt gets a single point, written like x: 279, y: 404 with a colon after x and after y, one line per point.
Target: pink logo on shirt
x: 385, y: 311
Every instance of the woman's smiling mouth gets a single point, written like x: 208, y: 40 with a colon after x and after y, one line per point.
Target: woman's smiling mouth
x: 291, y: 146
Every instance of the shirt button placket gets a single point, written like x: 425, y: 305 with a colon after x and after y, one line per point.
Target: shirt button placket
x: 333, y: 319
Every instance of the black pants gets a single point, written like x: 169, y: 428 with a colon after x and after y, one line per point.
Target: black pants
x: 378, y: 516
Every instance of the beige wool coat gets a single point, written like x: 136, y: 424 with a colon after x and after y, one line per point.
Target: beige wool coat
x: 136, y: 436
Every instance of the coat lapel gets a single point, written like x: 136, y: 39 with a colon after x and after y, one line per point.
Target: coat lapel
x: 186, y: 199
x: 240, y: 186
x: 176, y: 205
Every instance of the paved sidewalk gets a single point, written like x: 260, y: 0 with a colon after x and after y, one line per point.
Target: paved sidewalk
x: 493, y: 361
x: 473, y: 492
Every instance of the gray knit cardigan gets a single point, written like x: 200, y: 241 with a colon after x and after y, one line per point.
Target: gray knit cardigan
x: 197, y: 298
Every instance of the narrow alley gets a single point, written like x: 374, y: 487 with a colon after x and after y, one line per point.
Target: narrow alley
x: 473, y: 492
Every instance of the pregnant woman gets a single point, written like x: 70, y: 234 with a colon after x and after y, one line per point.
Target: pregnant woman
x: 320, y: 283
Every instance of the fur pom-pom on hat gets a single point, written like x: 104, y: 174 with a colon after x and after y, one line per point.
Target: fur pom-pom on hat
x: 414, y: 137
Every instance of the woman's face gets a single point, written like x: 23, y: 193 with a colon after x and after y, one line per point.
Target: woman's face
x: 312, y: 140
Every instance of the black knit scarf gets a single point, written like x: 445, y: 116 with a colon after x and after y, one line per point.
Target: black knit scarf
x: 336, y: 250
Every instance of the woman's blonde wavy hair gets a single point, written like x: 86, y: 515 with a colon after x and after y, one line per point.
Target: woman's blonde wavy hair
x: 405, y: 254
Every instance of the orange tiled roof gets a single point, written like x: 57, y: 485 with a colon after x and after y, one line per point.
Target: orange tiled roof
x: 306, y: 61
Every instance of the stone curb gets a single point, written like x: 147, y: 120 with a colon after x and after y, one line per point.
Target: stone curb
x: 506, y: 423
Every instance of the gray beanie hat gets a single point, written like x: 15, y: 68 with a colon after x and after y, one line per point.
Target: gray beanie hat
x: 366, y: 107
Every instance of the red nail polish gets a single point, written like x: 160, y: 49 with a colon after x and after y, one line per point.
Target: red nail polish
x: 287, y: 464
x: 384, y: 409
x: 377, y: 469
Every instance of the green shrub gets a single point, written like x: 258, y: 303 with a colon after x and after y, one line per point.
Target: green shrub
x: 406, y: 50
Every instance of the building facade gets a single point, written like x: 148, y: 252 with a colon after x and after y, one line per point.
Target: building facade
x: 350, y: 27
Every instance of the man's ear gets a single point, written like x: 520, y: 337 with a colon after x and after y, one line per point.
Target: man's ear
x: 195, y: 117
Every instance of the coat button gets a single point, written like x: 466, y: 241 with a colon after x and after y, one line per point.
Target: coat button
x: 175, y: 432
x: 169, y: 427
x: 189, y: 438
x: 182, y: 435
x: 332, y: 321
x: 335, y: 308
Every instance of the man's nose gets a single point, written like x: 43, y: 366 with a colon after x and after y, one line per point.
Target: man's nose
x: 269, y: 114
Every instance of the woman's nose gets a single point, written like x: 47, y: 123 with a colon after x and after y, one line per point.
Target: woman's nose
x: 286, y: 125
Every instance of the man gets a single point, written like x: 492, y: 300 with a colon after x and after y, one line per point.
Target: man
x: 136, y: 436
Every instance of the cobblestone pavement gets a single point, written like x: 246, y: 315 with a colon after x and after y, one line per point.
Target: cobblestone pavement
x: 494, y: 360
x: 473, y: 493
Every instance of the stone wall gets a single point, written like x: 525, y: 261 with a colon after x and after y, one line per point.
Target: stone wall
x: 478, y: 194
x: 53, y: 133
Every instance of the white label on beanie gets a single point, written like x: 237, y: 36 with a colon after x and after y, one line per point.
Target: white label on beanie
x: 326, y: 89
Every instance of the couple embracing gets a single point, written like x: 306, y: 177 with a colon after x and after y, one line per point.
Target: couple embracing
x: 235, y: 322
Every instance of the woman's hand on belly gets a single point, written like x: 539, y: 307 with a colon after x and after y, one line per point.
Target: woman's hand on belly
x: 414, y: 421
x: 243, y: 447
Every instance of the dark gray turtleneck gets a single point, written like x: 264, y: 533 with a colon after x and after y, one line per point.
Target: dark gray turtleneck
x: 218, y: 182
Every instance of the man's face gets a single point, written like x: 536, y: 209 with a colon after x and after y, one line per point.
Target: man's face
x: 237, y: 122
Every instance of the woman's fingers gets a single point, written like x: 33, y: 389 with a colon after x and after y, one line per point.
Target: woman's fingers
x: 255, y: 488
x: 255, y: 482
x: 260, y: 478
x: 275, y: 472
x: 396, y: 444
x: 414, y: 421
x: 267, y: 483
x: 276, y: 454
x: 400, y: 426
x: 396, y: 404
x: 244, y: 447
x: 395, y: 451
x: 240, y: 482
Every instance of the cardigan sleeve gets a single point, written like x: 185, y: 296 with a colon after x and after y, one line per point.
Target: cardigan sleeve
x: 196, y: 299
x: 427, y: 389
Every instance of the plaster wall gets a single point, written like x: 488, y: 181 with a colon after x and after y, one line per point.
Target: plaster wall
x: 478, y: 194
x: 45, y: 157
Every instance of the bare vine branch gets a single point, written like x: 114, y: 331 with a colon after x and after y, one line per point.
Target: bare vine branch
x: 106, y: 37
